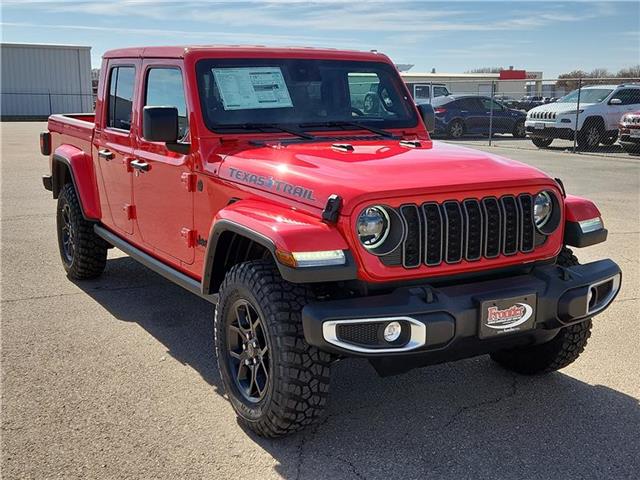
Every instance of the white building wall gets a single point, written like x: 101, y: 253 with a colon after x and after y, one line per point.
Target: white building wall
x: 38, y: 80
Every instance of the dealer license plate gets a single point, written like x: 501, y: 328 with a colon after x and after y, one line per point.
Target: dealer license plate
x: 538, y: 126
x: 505, y: 316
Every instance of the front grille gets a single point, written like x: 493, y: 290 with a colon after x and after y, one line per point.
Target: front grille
x: 454, y: 231
x: 543, y: 115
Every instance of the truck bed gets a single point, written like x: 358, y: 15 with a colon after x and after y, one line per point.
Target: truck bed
x: 74, y: 129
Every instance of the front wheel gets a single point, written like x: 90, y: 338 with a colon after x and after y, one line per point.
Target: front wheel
x: 555, y: 354
x: 275, y: 381
x: 590, y: 136
x: 541, y: 142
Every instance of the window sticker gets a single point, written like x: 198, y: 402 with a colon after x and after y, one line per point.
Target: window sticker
x: 252, y: 87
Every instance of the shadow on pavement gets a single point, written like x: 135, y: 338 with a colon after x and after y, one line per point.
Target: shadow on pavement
x: 468, y: 419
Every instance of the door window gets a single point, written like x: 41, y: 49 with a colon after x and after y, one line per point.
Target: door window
x: 629, y: 96
x: 486, y: 104
x: 121, y: 83
x: 421, y: 92
x: 440, y: 91
x: 470, y: 104
x: 165, y: 89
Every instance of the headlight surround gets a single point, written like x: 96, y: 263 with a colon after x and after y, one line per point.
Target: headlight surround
x: 380, y: 229
x: 542, y: 209
x: 547, y: 212
x: 373, y: 226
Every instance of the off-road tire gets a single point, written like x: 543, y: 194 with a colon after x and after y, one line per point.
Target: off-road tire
x: 555, y: 354
x: 456, y: 129
x: 89, y: 257
x: 298, y: 386
x: 541, y: 142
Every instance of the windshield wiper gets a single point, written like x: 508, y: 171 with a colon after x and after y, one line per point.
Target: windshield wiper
x: 273, y: 126
x: 346, y: 123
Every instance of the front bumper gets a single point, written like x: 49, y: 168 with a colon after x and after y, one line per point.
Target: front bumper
x: 444, y: 322
x: 550, y: 130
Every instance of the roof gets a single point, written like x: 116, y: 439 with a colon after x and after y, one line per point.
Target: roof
x: 43, y: 45
x: 179, y: 51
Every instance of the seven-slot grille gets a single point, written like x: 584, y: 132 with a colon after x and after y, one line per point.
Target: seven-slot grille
x: 472, y: 229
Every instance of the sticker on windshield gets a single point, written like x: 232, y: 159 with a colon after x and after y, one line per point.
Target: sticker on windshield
x: 247, y: 88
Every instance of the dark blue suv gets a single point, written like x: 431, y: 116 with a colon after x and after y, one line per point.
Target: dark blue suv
x: 470, y: 114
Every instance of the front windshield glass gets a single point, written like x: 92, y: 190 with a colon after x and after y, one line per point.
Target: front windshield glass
x: 239, y: 93
x: 588, y: 95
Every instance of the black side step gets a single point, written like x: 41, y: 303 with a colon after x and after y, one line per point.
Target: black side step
x: 157, y: 266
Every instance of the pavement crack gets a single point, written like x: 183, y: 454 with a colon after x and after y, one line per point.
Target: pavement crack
x: 352, y: 467
x: 305, y: 437
x: 513, y: 390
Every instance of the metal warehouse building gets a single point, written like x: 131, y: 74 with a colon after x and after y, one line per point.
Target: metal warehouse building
x: 38, y: 80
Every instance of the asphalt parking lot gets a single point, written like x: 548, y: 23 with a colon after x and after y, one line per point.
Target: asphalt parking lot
x: 115, y: 378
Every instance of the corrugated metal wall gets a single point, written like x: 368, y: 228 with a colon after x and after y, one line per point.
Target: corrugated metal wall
x: 38, y: 80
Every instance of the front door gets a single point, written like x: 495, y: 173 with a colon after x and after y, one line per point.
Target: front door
x: 113, y: 146
x: 163, y: 182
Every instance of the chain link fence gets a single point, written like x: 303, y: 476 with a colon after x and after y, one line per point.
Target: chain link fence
x: 533, y: 113
x: 38, y: 106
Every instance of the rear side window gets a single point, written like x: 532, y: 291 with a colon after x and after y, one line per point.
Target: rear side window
x: 165, y: 89
x: 629, y: 96
x: 470, y: 104
x: 121, y: 83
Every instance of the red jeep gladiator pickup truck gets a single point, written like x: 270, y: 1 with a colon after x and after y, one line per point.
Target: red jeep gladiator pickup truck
x: 250, y: 177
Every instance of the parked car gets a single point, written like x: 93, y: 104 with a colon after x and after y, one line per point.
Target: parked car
x: 247, y: 176
x: 507, y: 101
x: 629, y: 132
x: 601, y: 107
x: 471, y: 114
x: 528, y: 102
x: 426, y: 92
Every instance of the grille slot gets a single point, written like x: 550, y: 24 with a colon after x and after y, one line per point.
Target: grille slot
x: 469, y: 230
x: 433, y: 222
x: 473, y: 218
x: 511, y: 227
x: 411, y: 247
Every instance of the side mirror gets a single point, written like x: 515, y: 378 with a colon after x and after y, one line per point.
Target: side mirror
x: 615, y: 101
x: 160, y: 124
x: 428, y: 116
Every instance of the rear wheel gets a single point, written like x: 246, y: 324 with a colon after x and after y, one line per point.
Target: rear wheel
x: 563, y: 350
x: 83, y: 253
x: 456, y: 129
x: 519, y: 130
x: 541, y: 142
x: 275, y: 381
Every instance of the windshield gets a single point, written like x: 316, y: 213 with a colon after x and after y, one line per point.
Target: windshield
x: 588, y: 95
x: 241, y: 93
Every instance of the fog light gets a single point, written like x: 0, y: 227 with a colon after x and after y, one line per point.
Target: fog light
x: 392, y: 331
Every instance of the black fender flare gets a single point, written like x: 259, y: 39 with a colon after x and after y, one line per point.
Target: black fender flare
x: 348, y: 271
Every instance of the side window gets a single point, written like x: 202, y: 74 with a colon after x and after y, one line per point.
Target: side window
x: 629, y: 96
x: 165, y: 89
x: 486, y: 104
x: 121, y: 83
x: 440, y: 91
x: 471, y: 104
x: 421, y: 92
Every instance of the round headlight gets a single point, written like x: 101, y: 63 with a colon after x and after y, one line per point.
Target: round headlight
x: 373, y: 226
x: 542, y: 209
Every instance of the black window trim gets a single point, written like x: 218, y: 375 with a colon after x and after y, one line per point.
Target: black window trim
x: 107, y: 110
x: 146, y: 69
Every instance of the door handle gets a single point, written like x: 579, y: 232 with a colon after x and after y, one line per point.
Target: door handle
x: 106, y: 154
x: 140, y: 165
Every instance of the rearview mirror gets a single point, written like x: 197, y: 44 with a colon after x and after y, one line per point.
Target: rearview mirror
x: 615, y: 101
x: 160, y: 124
x: 428, y: 116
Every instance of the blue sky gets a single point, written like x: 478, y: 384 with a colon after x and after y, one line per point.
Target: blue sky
x: 553, y: 37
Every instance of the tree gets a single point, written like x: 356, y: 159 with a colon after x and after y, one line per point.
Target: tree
x: 485, y: 70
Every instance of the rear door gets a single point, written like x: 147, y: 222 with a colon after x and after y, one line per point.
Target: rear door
x: 163, y: 182
x: 472, y: 112
x: 630, y: 98
x: 114, y: 142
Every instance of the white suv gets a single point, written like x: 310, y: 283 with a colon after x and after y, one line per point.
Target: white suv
x: 601, y: 108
